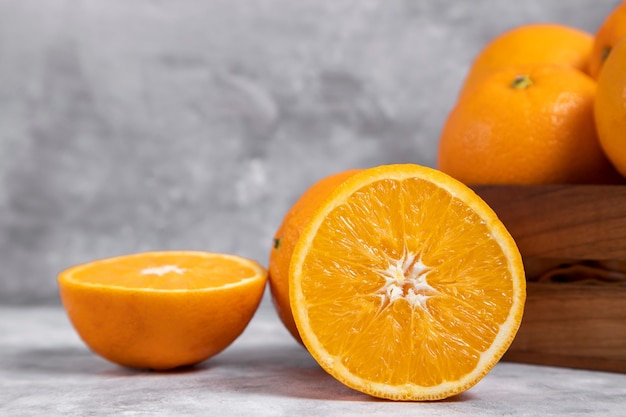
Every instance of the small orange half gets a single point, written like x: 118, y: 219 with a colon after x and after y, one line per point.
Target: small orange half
x: 162, y: 310
x: 405, y: 284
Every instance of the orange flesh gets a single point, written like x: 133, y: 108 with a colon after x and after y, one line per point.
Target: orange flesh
x: 163, y: 271
x: 422, y: 287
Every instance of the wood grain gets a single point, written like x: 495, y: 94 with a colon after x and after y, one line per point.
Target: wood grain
x: 567, y: 324
x: 554, y: 221
x: 579, y: 326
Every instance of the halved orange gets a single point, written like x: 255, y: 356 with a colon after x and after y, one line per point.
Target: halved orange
x: 406, y: 285
x: 162, y: 310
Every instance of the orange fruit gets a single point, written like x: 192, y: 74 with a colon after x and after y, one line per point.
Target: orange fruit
x: 540, y: 43
x: 525, y: 125
x: 610, y: 107
x: 612, y: 29
x: 285, y: 240
x: 405, y: 285
x: 161, y: 310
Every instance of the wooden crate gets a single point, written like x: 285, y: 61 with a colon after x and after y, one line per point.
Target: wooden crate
x: 567, y: 324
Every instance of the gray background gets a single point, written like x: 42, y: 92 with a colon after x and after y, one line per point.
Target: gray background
x: 150, y: 124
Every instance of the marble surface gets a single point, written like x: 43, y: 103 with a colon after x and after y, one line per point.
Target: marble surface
x: 45, y: 370
x: 152, y: 124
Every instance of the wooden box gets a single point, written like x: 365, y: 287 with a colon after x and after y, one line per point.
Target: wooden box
x: 573, y: 241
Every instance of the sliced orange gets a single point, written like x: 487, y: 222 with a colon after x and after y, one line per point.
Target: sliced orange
x: 162, y: 310
x: 405, y: 284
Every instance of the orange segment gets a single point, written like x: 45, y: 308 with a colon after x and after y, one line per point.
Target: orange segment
x: 162, y: 310
x: 405, y: 285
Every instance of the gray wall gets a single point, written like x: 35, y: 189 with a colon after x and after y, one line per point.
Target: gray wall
x: 150, y: 124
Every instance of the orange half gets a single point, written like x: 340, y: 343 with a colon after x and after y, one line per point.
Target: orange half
x: 162, y: 310
x: 405, y: 284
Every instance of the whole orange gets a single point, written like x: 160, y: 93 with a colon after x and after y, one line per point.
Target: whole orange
x: 525, y: 125
x: 285, y: 240
x: 610, y: 107
x: 612, y: 29
x: 533, y: 44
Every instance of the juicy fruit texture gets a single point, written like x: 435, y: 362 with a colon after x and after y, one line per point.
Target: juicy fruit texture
x: 610, y: 107
x: 162, y: 310
x: 532, y: 44
x: 285, y: 240
x: 526, y: 125
x: 608, y: 35
x: 405, y: 285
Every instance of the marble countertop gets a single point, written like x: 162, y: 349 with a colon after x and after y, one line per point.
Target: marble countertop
x: 45, y: 370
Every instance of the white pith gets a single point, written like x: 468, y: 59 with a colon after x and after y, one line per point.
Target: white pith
x: 163, y: 270
x: 405, y: 278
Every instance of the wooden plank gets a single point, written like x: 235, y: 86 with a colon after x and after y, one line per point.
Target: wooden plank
x: 578, y: 326
x: 567, y: 324
x: 562, y: 221
x: 572, y: 361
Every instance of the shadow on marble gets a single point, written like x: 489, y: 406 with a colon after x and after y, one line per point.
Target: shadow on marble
x: 60, y: 361
x: 289, y: 371
x: 276, y: 371
x: 80, y: 361
x: 285, y: 371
